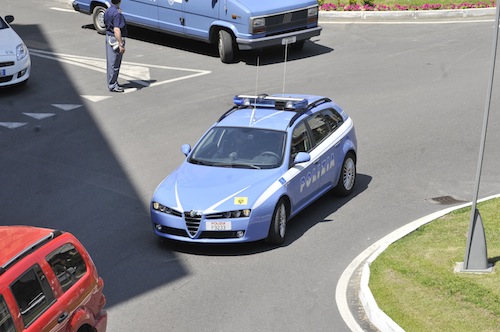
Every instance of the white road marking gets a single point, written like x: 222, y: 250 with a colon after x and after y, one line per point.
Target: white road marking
x: 64, y: 10
x: 67, y: 107
x: 138, y: 73
x: 95, y: 98
x: 13, y: 125
x: 40, y: 116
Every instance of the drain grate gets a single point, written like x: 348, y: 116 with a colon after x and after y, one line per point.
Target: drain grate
x: 445, y: 200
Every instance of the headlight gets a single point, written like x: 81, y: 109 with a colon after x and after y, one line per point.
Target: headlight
x: 258, y: 25
x: 230, y: 214
x: 21, y: 51
x: 165, y: 209
x: 313, y: 11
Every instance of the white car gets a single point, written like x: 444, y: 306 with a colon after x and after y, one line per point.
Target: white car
x: 15, y: 62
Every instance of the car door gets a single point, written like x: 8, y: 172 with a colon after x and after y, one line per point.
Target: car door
x: 37, y: 304
x: 171, y: 16
x: 303, y: 186
x: 73, y: 276
x: 332, y: 155
x: 6, y: 320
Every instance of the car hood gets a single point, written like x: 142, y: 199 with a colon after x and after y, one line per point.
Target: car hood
x: 265, y: 7
x: 8, y: 42
x: 213, y: 189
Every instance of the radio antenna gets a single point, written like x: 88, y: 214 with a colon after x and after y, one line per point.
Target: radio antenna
x: 252, y: 118
x: 284, y: 70
x: 257, y: 78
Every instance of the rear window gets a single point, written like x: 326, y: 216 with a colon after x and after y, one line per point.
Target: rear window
x: 6, y: 322
x: 32, y: 293
x: 68, y: 265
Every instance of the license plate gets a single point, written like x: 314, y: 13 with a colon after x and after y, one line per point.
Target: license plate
x: 3, y: 73
x: 218, y: 225
x: 289, y: 40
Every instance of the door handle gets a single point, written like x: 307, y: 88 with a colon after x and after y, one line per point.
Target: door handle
x: 62, y: 317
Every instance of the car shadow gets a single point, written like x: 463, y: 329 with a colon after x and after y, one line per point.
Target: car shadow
x: 314, y: 214
x: 268, y: 56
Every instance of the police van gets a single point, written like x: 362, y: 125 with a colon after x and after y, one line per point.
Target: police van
x: 231, y: 24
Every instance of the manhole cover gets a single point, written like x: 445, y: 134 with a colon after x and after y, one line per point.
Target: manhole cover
x: 446, y: 200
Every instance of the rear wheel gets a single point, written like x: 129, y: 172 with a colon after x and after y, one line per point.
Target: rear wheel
x: 226, y: 46
x: 277, y: 230
x: 347, y: 176
x: 98, y: 19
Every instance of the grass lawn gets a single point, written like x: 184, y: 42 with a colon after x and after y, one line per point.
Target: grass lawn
x: 414, y: 282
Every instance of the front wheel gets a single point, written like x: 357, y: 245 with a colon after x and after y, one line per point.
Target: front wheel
x: 98, y: 19
x: 226, y: 46
x: 347, y: 177
x: 277, y: 230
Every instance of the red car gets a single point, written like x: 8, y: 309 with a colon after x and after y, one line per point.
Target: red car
x: 48, y: 282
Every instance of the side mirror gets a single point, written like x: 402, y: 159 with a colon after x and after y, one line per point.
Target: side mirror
x: 302, y: 157
x: 9, y: 19
x: 186, y: 148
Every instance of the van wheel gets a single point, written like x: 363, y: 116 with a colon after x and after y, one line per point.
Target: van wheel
x: 98, y: 19
x: 226, y: 46
x: 277, y: 230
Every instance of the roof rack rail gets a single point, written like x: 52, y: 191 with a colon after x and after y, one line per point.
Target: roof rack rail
x: 28, y: 250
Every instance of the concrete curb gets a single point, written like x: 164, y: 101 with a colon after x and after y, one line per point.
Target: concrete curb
x: 415, y: 14
x: 378, y: 318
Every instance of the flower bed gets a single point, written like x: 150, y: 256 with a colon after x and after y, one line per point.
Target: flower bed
x: 381, y: 7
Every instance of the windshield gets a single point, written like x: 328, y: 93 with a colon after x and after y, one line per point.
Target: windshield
x: 240, y: 147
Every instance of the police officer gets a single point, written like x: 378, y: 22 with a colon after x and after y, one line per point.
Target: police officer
x: 116, y: 31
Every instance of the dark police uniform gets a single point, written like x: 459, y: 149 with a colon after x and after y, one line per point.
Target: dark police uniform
x: 114, y: 18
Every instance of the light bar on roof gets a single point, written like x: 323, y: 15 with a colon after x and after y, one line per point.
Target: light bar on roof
x: 281, y: 103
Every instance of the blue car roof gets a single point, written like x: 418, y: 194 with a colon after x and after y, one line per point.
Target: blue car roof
x: 268, y: 117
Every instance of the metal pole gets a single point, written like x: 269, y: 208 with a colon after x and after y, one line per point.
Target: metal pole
x: 475, y: 214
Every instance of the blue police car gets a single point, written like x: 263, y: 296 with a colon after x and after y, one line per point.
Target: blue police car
x: 261, y: 163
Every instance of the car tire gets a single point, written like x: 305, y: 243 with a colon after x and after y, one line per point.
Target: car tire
x: 277, y: 230
x: 347, y: 176
x: 98, y: 19
x: 226, y: 46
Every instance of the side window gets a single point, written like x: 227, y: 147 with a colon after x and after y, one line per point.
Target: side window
x: 300, y: 140
x: 33, y: 294
x: 67, y: 264
x: 318, y: 126
x: 6, y: 322
x: 333, y: 119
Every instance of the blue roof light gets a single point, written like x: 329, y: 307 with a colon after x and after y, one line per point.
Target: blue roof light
x: 281, y: 103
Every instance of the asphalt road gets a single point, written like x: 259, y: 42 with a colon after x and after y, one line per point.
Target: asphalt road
x: 77, y: 157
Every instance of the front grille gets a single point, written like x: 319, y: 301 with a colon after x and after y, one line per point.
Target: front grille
x: 192, y: 223
x: 218, y: 235
x: 6, y: 64
x: 286, y: 22
x: 173, y: 231
x: 5, y: 79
